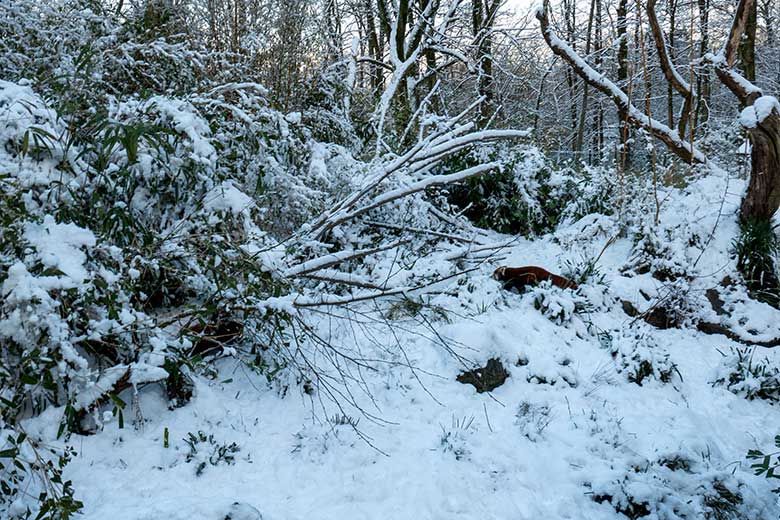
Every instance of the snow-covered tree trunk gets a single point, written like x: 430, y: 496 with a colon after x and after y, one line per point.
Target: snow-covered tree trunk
x: 760, y: 118
x: 762, y: 198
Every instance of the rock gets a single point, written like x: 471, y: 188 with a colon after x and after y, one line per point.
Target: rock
x: 243, y: 511
x: 485, y: 379
x: 629, y: 308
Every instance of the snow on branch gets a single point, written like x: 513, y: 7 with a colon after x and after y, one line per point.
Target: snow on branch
x: 597, y: 80
x: 755, y: 114
x: 723, y: 62
x: 398, y: 193
x: 450, y: 139
x: 332, y: 259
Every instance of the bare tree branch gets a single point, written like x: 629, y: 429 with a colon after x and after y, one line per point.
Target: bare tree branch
x: 669, y: 137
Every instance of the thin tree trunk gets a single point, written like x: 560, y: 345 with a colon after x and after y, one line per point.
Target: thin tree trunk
x: 622, y: 75
x: 703, y: 78
x: 747, y: 45
x: 669, y: 89
x: 586, y: 89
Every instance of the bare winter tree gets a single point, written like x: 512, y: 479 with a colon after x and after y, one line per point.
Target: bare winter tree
x: 760, y: 117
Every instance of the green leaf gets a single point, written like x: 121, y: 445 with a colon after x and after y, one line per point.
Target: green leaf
x: 25, y: 142
x: 118, y: 402
x: 27, y: 379
x: 9, y: 453
x: 755, y: 454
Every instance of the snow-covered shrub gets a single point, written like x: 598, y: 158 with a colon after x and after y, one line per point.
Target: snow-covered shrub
x: 548, y: 371
x: 314, y: 441
x: 752, y: 378
x: 455, y: 439
x: 31, y: 470
x: 584, y: 270
x: 766, y: 464
x: 679, y: 487
x: 532, y: 419
x: 531, y: 195
x: 163, y: 205
x: 654, y: 252
x: 758, y: 250
x: 675, y: 306
x: 204, y: 450
x: 584, y: 190
x: 638, y: 358
x: 326, y: 101
x: 604, y: 425
x: 558, y: 305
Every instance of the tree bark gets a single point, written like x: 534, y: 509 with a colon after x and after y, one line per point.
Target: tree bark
x: 483, y: 14
x: 762, y: 198
x: 578, y: 142
x: 622, y: 74
x: 747, y: 44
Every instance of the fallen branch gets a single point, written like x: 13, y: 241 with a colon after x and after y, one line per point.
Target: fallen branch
x: 346, y: 300
x: 717, y: 328
x: 420, y: 231
x: 332, y: 259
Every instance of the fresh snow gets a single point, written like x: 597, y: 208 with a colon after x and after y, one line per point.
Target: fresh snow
x: 565, y: 426
x: 763, y: 107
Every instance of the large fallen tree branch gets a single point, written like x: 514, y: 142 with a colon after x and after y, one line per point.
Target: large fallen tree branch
x: 420, y: 159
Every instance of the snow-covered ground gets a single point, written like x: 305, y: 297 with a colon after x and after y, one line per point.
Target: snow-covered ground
x: 567, y: 436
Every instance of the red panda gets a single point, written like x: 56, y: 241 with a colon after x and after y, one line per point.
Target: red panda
x: 521, y: 277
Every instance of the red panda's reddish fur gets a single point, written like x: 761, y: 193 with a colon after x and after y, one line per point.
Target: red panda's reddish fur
x: 521, y: 277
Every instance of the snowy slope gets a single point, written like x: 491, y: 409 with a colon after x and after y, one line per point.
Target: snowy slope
x: 567, y: 427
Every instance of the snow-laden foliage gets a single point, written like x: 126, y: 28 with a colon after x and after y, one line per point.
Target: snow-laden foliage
x: 752, y: 377
x: 678, y: 486
x: 531, y: 195
x: 638, y: 358
x: 198, y: 282
x: 108, y: 232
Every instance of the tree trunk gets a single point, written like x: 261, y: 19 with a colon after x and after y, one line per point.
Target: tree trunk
x: 483, y: 14
x: 747, y: 45
x: 762, y: 198
x: 669, y: 88
x: 622, y: 76
x: 578, y: 142
x: 703, y: 77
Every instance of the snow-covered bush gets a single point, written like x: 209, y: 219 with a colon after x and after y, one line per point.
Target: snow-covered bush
x: 766, y: 464
x: 679, y: 487
x: 654, y: 252
x: 639, y: 358
x: 455, y: 439
x: 758, y: 249
x: 558, y: 305
x: 205, y: 450
x: 531, y: 195
x: 315, y: 441
x: 752, y: 378
x: 548, y: 371
x: 30, y: 470
x: 532, y: 419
